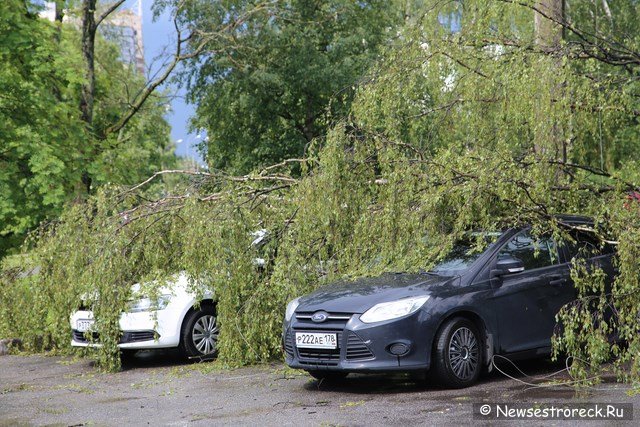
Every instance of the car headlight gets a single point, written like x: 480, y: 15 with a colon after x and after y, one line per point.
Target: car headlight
x: 393, y: 309
x: 147, y: 304
x: 291, y: 308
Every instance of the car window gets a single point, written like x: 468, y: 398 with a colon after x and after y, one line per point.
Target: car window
x: 587, y: 245
x: 459, y: 258
x: 534, y: 253
x: 464, y: 253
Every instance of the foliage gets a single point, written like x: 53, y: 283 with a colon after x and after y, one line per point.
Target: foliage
x: 44, y: 146
x: 40, y: 138
x: 287, y: 71
x: 477, y: 128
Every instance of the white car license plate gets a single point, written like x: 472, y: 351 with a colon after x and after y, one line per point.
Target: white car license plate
x: 83, y: 325
x: 316, y: 340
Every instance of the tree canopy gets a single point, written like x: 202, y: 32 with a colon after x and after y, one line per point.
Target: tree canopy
x: 45, y: 148
x: 283, y: 75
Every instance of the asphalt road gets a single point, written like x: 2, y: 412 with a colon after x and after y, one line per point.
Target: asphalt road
x: 157, y: 388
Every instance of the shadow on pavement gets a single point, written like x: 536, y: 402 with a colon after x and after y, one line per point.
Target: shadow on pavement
x: 146, y: 359
x: 371, y: 384
x: 538, y: 378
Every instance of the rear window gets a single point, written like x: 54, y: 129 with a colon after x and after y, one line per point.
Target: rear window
x: 586, y: 245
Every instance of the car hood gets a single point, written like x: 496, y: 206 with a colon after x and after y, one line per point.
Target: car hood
x: 357, y: 296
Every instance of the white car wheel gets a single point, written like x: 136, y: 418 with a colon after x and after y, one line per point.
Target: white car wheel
x: 200, y: 331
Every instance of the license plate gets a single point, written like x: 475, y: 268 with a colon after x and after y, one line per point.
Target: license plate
x: 83, y: 325
x: 316, y: 340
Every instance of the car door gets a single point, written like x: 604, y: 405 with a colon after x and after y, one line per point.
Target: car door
x: 588, y: 248
x: 527, y: 302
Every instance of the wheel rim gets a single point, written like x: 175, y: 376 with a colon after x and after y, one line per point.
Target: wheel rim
x: 463, y: 353
x: 205, y: 334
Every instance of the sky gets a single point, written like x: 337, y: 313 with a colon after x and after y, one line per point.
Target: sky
x: 158, y: 35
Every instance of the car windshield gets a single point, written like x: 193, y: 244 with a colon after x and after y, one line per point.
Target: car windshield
x: 464, y: 253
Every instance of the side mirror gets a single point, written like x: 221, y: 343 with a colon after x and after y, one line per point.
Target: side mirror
x: 508, y: 266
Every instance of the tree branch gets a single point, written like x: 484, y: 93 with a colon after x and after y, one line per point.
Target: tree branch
x: 178, y: 57
x: 137, y: 104
x: 617, y: 52
x: 244, y: 178
x: 108, y: 11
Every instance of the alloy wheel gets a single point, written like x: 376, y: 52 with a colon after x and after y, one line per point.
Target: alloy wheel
x: 463, y: 353
x: 205, y: 334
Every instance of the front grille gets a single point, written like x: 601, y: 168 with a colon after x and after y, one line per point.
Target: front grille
x: 80, y: 337
x: 334, y: 322
x: 331, y: 316
x: 126, y: 337
x: 85, y: 306
x: 138, y: 336
x: 357, y: 349
x: 319, y: 356
x: 316, y: 356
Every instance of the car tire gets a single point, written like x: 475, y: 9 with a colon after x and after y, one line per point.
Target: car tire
x: 328, y: 375
x: 457, y: 354
x: 199, y: 334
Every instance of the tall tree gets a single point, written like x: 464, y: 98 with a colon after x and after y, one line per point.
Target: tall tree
x: 284, y: 72
x: 44, y: 148
x: 91, y: 19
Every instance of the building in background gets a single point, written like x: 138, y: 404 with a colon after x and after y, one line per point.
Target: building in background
x: 123, y: 27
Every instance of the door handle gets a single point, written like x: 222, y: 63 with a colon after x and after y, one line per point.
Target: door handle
x: 557, y: 280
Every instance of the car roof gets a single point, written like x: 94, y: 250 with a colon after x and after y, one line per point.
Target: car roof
x: 574, y: 219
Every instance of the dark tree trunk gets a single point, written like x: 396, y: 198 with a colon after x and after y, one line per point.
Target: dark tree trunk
x: 90, y: 24
x: 87, y: 90
x: 88, y: 49
x: 59, y: 11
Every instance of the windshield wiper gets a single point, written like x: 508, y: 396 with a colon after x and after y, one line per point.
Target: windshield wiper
x: 430, y: 273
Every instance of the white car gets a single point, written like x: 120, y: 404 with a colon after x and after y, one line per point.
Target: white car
x: 175, y: 319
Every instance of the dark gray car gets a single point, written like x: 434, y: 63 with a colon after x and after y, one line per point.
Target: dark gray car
x: 450, y: 320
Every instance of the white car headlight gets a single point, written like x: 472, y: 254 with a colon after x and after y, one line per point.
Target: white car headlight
x: 147, y: 304
x: 291, y: 308
x: 393, y: 309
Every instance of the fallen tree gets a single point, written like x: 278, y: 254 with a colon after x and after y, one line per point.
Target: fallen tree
x: 453, y: 132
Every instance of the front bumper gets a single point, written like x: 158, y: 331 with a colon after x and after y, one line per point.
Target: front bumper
x: 362, y: 347
x: 144, y: 330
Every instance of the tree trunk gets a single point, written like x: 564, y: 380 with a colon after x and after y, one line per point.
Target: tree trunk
x: 88, y: 48
x: 58, y: 18
x: 549, y: 32
x: 59, y: 11
x: 548, y: 17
